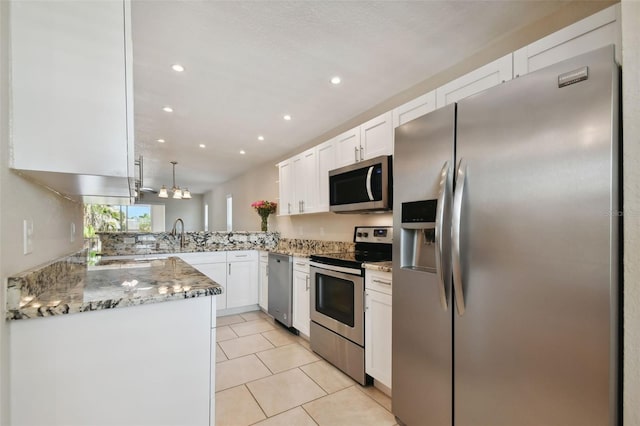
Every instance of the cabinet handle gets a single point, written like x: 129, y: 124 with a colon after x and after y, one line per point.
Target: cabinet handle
x: 302, y: 205
x: 239, y: 255
x: 361, y: 153
x: 229, y: 269
x: 366, y: 299
x: 301, y: 264
x: 355, y: 152
x: 382, y: 282
x: 307, y: 280
x: 289, y: 208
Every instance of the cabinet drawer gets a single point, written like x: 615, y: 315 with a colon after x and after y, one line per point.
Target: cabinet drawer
x: 301, y: 264
x: 378, y: 281
x: 241, y: 255
x: 204, y: 257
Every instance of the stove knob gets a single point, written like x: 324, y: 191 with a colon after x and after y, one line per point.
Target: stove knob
x: 359, y: 234
x: 365, y: 234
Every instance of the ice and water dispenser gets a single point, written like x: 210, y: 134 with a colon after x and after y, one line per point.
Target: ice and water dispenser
x: 418, y: 236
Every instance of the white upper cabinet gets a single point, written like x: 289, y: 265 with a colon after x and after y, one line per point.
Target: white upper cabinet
x: 476, y: 81
x: 376, y: 137
x: 598, y: 30
x: 415, y: 108
x: 305, y: 182
x: 72, y: 95
x: 369, y: 140
x: 348, y: 147
x: 285, y: 187
x: 326, y: 162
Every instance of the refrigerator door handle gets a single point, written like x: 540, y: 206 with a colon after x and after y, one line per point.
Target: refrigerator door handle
x: 455, y: 235
x: 443, y: 195
x: 369, y: 192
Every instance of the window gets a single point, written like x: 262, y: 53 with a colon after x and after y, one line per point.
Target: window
x: 102, y: 217
x: 206, y: 217
x: 229, y: 212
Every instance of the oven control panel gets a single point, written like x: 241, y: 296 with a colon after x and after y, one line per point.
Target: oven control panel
x: 373, y: 234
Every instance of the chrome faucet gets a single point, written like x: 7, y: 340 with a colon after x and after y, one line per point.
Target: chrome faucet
x: 173, y: 231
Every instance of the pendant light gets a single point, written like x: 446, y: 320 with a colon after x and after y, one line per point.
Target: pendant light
x: 178, y: 194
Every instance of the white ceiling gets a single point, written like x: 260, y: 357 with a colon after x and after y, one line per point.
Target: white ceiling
x: 247, y: 63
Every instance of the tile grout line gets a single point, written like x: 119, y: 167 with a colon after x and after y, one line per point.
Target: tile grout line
x: 257, y: 402
x: 373, y: 399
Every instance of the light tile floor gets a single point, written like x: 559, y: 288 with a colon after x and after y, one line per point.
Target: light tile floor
x: 267, y: 376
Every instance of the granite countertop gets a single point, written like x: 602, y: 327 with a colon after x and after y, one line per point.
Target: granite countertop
x: 67, y: 287
x: 378, y: 266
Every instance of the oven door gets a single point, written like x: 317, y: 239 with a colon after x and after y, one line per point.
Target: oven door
x: 337, y: 301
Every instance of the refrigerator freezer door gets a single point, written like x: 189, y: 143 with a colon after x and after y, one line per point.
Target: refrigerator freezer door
x: 422, y: 328
x: 536, y: 344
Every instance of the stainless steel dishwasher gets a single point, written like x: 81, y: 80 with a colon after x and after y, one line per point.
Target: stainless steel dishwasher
x: 280, y: 287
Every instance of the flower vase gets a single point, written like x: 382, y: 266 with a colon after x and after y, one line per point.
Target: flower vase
x: 263, y: 226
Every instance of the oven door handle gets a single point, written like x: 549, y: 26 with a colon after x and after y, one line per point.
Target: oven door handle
x: 334, y: 268
x: 369, y: 175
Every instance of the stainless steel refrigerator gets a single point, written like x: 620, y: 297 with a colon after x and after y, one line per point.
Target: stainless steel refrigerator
x: 506, y: 263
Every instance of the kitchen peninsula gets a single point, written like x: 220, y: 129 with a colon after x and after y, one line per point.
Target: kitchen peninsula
x: 91, y: 362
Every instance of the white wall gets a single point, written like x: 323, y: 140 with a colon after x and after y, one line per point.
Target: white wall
x: 631, y: 187
x: 191, y: 211
x: 52, y: 216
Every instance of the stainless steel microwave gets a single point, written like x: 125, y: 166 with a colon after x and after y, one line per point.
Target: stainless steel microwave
x: 363, y: 187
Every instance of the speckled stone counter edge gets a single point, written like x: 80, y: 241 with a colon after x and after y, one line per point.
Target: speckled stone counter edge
x: 378, y: 266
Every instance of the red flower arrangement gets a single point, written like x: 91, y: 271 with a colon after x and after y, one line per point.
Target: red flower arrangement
x: 264, y: 209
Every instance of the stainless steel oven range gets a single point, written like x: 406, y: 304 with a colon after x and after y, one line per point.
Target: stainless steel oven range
x: 337, y: 300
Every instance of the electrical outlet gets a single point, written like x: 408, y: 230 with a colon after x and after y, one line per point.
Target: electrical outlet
x: 73, y: 232
x: 27, y: 236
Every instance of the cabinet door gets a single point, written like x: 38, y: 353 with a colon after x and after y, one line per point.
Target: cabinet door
x: 348, y: 147
x: 476, y: 81
x: 70, y: 73
x: 598, y: 30
x: 218, y: 273
x: 326, y: 162
x: 415, y: 108
x: 376, y: 136
x: 242, y: 284
x: 285, y: 187
x: 301, y: 301
x: 264, y: 285
x: 305, y: 180
x: 377, y: 339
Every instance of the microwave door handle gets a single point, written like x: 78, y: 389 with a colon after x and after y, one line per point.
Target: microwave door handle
x: 369, y: 174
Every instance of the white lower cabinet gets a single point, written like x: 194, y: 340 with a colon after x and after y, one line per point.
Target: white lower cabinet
x: 377, y: 326
x: 301, y: 295
x: 214, y: 266
x: 116, y: 366
x: 242, y: 278
x: 263, y: 297
x: 236, y: 271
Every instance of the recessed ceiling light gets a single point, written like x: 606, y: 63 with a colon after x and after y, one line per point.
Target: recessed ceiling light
x: 261, y: 138
x: 167, y: 109
x: 287, y: 117
x: 160, y: 140
x: 177, y: 67
x: 242, y: 152
x: 202, y: 145
x: 335, y: 80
